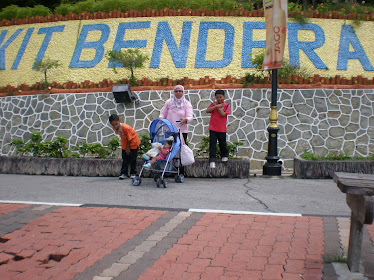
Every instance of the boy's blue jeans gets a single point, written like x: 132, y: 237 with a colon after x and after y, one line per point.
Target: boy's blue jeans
x: 129, y: 160
x: 213, y: 137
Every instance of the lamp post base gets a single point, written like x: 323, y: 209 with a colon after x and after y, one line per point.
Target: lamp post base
x: 272, y: 167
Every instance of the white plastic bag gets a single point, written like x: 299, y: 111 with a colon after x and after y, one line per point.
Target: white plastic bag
x: 187, y: 157
x: 154, y: 151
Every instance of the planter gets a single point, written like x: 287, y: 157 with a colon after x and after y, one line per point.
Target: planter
x: 234, y: 168
x: 310, y: 169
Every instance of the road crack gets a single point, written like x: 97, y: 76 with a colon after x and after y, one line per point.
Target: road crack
x: 247, y: 192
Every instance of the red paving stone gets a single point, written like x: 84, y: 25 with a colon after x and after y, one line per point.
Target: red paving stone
x: 65, y: 242
x: 10, y: 207
x: 223, y: 246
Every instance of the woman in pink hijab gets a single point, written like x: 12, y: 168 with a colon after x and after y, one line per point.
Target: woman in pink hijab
x: 176, y: 109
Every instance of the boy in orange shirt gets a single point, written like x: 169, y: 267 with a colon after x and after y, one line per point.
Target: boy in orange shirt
x: 129, y: 144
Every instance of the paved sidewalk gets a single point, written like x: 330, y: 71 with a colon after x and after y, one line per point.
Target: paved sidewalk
x: 102, y: 243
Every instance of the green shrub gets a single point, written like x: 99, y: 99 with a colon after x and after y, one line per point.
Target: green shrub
x: 83, y: 149
x: 35, y: 146
x: 203, y: 150
x: 93, y: 149
x: 19, y: 146
x: 98, y: 150
x: 113, y: 145
x: 84, y: 6
x: 145, y: 144
x: 253, y: 79
x: 9, y: 12
x: 39, y: 10
x: 110, y: 5
x: 14, y: 11
x: 56, y: 148
x: 287, y: 70
x: 64, y: 9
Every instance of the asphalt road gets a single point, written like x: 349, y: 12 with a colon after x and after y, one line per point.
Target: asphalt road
x: 279, y: 195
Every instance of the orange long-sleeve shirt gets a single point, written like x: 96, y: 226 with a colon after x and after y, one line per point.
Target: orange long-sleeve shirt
x: 127, y: 133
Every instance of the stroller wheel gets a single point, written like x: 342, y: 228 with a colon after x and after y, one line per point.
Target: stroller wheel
x: 136, y: 181
x: 164, y: 183
x: 158, y: 182
x: 179, y: 178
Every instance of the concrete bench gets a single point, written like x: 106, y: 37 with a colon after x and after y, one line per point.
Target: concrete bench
x: 359, y: 190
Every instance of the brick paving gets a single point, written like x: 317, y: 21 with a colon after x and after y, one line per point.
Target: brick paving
x: 19, y: 215
x: 66, y: 241
x: 222, y: 246
x: 10, y: 207
x: 105, y: 243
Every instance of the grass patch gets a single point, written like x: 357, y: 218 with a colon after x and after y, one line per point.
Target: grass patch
x: 333, y: 156
x: 336, y: 259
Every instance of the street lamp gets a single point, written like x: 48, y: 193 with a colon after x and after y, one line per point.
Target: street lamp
x: 272, y: 167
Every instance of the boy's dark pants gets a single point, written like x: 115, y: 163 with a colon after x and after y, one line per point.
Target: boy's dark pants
x: 213, y: 137
x: 129, y: 159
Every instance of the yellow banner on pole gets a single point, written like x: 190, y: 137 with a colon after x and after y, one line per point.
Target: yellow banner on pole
x: 276, y: 32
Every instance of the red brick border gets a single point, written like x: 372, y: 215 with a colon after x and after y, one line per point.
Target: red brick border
x: 295, y: 82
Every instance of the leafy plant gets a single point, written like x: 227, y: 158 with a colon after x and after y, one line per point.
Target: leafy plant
x: 203, y: 150
x: 94, y: 149
x: 129, y: 59
x: 83, y: 149
x: 145, y: 144
x: 287, y: 70
x: 253, y: 79
x: 45, y: 65
x: 56, y: 148
x: 35, y: 145
x: 98, y: 150
x: 19, y: 146
x: 14, y: 11
x: 113, y: 145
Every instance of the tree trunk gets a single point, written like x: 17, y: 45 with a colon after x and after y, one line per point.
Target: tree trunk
x: 45, y: 76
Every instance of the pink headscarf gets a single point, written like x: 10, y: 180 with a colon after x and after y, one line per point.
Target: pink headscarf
x: 175, y: 103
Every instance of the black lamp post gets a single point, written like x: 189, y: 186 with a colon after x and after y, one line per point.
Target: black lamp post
x: 272, y: 167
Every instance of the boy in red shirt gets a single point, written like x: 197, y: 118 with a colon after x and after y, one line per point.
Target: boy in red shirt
x: 129, y: 144
x: 217, y: 127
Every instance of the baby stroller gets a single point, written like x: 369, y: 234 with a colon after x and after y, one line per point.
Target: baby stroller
x: 160, y: 130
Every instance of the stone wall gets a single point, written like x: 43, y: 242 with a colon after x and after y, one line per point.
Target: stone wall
x: 314, y: 120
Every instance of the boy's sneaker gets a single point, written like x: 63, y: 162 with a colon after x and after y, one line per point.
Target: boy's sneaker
x: 123, y: 176
x: 225, y: 159
x: 212, y: 164
x: 145, y: 157
x: 147, y: 165
x: 132, y: 176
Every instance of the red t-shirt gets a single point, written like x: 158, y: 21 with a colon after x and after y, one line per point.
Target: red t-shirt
x: 217, y: 122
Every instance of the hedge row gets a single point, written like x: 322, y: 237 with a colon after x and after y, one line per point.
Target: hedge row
x: 180, y: 12
x: 316, y: 80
